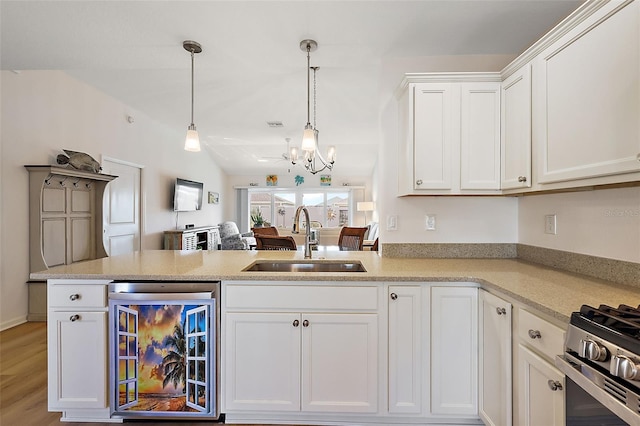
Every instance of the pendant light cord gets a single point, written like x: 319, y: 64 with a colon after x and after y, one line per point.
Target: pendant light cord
x: 192, y: 88
x: 308, y: 84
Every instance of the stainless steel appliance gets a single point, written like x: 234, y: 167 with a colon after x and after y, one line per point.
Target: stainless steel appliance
x: 602, y: 366
x: 164, y: 350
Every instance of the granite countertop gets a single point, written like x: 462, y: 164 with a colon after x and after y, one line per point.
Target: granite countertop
x: 551, y: 291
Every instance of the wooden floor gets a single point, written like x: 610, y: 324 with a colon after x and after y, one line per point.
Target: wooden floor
x: 23, y: 380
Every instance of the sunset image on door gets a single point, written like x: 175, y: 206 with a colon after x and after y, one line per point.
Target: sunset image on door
x: 163, y: 355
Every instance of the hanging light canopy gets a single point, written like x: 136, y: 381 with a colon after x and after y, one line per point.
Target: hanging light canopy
x: 192, y: 142
x: 314, y: 162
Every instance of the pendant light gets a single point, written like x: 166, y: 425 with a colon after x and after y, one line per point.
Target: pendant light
x: 314, y: 162
x: 192, y: 142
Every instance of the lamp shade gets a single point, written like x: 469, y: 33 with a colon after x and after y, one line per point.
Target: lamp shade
x: 365, y: 206
x: 192, y: 142
x: 308, y: 140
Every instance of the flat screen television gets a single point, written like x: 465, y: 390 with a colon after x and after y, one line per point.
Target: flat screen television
x: 187, y: 195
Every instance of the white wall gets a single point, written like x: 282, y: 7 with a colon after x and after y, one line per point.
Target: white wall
x: 604, y: 223
x: 46, y: 111
x: 458, y: 219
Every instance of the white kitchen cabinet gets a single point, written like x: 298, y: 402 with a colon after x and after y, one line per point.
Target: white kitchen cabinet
x: 77, y: 347
x: 406, y: 357
x: 515, y: 135
x: 306, y: 348
x: 449, y: 134
x: 587, y: 99
x: 539, y: 388
x: 454, y: 351
x: 541, y: 391
x: 495, y: 402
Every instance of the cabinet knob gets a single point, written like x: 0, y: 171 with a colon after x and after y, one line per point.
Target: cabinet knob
x: 74, y: 297
x: 501, y: 311
x: 74, y: 318
x: 305, y: 323
x: 535, y: 334
x: 393, y: 296
x: 296, y: 323
x: 554, y: 385
x: 522, y: 178
x: 419, y: 182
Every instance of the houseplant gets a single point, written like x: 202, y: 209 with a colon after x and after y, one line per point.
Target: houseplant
x: 257, y: 219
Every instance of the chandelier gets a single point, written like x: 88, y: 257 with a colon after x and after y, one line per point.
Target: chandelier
x: 314, y: 162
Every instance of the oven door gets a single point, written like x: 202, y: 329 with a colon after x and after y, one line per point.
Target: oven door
x: 594, y: 398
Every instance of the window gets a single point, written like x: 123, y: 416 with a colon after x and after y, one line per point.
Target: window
x: 329, y: 208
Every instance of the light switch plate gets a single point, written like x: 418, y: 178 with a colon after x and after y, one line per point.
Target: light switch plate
x: 550, y: 224
x: 392, y: 223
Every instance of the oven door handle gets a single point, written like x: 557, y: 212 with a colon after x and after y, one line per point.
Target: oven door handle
x: 573, y: 367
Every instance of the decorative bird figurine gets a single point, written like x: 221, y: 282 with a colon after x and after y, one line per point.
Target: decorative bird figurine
x: 79, y: 160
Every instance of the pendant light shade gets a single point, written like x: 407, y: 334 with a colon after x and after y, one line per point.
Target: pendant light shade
x: 192, y: 142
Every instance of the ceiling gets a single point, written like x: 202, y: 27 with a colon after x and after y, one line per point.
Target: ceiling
x: 252, y: 71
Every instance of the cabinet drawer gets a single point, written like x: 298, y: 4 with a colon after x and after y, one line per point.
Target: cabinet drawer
x: 540, y: 334
x: 301, y: 297
x: 77, y: 296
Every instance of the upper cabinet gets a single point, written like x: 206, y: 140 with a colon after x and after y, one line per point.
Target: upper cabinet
x: 516, y: 129
x: 449, y: 134
x: 587, y: 99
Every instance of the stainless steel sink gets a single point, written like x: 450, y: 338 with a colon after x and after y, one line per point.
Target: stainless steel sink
x: 305, y: 266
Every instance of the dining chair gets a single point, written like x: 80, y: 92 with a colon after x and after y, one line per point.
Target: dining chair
x: 271, y: 242
x: 351, y: 238
x: 265, y: 230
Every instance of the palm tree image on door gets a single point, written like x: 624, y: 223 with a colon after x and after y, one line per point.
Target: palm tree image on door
x: 163, y: 359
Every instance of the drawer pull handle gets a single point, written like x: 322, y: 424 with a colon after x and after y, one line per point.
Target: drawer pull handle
x: 393, y: 296
x: 74, y: 297
x: 296, y: 323
x: 522, y: 178
x: 305, y: 323
x: 501, y: 311
x: 554, y: 385
x: 535, y: 334
x: 74, y: 318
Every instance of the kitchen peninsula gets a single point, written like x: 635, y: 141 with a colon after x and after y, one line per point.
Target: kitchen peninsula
x: 376, y: 331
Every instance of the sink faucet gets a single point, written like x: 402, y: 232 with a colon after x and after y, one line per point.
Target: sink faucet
x: 296, y: 230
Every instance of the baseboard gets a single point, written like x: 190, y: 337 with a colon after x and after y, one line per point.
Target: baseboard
x: 13, y: 322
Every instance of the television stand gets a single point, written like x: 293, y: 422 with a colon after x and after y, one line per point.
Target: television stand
x: 201, y: 238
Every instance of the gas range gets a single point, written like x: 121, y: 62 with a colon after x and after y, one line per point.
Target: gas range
x: 602, y: 356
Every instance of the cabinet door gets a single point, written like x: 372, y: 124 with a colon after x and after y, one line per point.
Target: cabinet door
x: 454, y: 350
x: 405, y: 350
x: 588, y: 103
x: 77, y: 364
x: 495, y: 360
x: 262, y: 361
x: 434, y: 115
x: 516, y: 130
x: 480, y: 136
x: 340, y: 363
x: 539, y: 403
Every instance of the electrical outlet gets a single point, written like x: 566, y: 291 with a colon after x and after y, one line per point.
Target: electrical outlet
x: 550, y: 224
x: 430, y: 222
x: 392, y: 223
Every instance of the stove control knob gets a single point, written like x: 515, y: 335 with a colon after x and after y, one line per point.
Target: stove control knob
x: 592, y: 350
x: 624, y: 367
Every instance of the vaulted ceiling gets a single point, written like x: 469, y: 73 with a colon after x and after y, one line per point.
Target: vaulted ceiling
x: 252, y: 71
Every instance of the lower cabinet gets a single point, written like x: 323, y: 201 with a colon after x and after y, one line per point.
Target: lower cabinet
x: 454, y: 351
x: 77, y: 346
x: 307, y: 361
x: 495, y: 401
x: 541, y: 391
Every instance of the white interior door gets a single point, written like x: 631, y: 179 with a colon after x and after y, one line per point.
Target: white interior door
x: 121, y: 207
